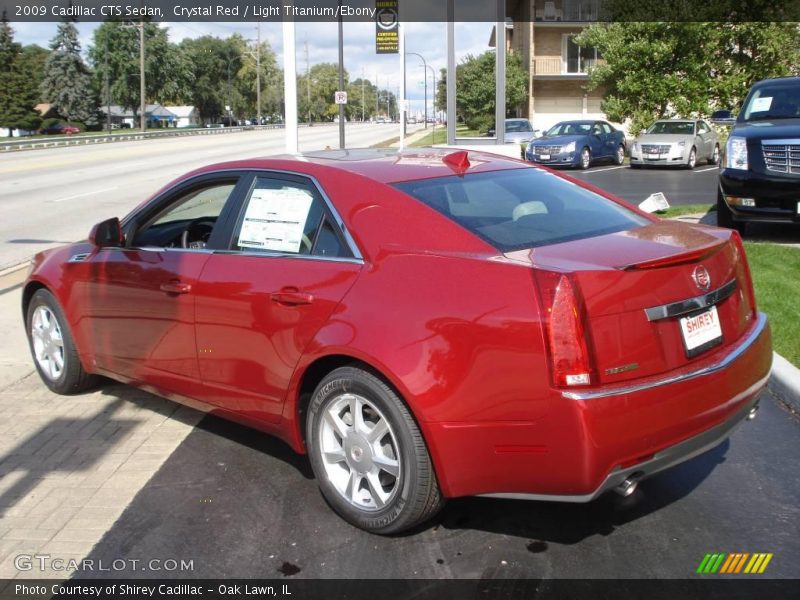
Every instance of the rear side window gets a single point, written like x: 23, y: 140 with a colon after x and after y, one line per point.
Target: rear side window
x: 522, y: 208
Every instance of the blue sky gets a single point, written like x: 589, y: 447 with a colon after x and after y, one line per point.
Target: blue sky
x: 427, y: 39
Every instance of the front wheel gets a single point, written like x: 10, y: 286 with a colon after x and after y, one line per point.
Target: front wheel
x: 619, y: 157
x: 586, y: 159
x: 368, y: 454
x: 52, y: 347
x: 690, y: 164
x: 714, y: 160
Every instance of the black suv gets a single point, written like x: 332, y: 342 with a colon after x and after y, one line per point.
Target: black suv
x: 760, y: 169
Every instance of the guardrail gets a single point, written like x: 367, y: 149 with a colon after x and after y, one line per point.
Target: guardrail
x: 81, y: 140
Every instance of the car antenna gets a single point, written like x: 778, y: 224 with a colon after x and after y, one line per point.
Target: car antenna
x: 458, y: 161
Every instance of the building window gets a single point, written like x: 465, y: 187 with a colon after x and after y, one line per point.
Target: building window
x: 575, y: 59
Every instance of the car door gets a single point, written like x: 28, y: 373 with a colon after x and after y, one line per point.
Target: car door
x: 611, y: 139
x: 139, y: 299
x: 260, y: 302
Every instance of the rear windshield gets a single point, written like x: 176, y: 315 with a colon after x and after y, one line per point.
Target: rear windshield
x: 522, y: 208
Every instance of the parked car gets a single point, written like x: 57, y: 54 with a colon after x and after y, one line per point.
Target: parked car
x: 676, y: 142
x: 424, y: 325
x: 578, y: 144
x: 518, y: 131
x: 59, y: 129
x: 760, y: 176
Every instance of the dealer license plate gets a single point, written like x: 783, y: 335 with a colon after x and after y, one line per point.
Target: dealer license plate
x: 651, y: 156
x: 544, y: 156
x: 701, y: 331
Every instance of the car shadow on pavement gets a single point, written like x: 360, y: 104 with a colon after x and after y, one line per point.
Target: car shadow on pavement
x: 568, y: 523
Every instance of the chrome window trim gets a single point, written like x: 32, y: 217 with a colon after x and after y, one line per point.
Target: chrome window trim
x: 723, y: 363
x: 340, y: 259
x: 682, y: 307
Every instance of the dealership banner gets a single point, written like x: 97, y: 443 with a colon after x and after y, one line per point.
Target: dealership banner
x: 578, y: 11
x: 387, y: 27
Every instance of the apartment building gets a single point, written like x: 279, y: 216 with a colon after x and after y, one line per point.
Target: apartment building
x: 542, y: 32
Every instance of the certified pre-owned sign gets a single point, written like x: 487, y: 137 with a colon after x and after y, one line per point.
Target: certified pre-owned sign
x: 387, y: 40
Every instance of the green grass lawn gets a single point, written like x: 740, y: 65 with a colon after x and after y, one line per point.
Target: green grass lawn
x: 687, y: 209
x: 441, y: 136
x: 776, y: 277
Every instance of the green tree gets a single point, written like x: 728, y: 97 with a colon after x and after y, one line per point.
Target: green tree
x: 32, y: 62
x: 354, y: 99
x: 324, y: 82
x: 67, y: 83
x: 208, y: 56
x: 653, y: 70
x: 18, y: 95
x: 115, y: 51
x: 475, y: 88
x: 245, y: 97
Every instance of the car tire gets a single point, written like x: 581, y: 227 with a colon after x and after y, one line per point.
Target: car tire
x: 692, y: 161
x: 725, y: 217
x: 619, y: 157
x: 585, y: 159
x: 52, y: 346
x: 633, y: 166
x: 714, y: 159
x: 346, y: 409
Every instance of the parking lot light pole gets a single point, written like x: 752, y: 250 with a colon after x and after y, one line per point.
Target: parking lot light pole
x: 425, y: 79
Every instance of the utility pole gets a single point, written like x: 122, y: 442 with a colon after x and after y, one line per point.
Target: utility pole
x: 425, y: 78
x: 142, y: 107
x: 258, y: 75
x: 341, y: 76
x: 108, y: 88
x: 362, y: 94
x: 308, y: 84
x: 377, y: 93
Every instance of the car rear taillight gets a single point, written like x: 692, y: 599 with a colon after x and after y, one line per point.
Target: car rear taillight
x: 564, y: 320
x: 743, y: 271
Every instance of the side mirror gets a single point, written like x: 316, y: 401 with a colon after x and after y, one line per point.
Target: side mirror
x: 107, y: 234
x: 722, y: 117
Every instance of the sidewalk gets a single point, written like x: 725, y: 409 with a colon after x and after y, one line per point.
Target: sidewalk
x: 70, y: 465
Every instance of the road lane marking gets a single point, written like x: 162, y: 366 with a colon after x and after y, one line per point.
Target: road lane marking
x: 84, y: 194
x: 713, y: 168
x: 606, y: 169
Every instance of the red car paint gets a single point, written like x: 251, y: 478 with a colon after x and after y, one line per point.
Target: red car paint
x: 458, y: 328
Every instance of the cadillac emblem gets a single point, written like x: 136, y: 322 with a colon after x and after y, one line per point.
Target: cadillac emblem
x: 701, y: 278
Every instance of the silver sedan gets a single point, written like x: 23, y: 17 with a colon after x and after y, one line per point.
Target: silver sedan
x: 676, y: 142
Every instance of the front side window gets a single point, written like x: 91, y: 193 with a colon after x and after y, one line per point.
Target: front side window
x: 188, y: 220
x: 287, y: 217
x: 522, y: 208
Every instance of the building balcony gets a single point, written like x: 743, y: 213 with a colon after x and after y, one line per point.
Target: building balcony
x: 558, y: 68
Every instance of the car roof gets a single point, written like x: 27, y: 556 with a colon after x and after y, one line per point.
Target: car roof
x: 776, y: 81
x: 678, y: 120
x: 382, y: 165
x: 516, y: 119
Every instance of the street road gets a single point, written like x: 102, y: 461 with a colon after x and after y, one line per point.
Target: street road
x: 54, y: 196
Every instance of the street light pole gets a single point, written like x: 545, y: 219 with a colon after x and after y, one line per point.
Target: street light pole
x: 341, y: 76
x: 425, y: 71
x: 142, y: 106
x: 258, y: 74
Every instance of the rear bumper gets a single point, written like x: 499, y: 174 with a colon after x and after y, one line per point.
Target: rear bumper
x: 591, y: 441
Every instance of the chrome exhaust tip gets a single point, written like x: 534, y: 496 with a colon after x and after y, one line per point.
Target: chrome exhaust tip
x: 627, y: 487
x: 753, y: 412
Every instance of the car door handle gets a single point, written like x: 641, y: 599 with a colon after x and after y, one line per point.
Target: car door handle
x: 176, y: 287
x: 292, y: 297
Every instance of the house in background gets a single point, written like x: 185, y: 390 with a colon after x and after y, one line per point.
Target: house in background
x: 157, y: 116
x: 542, y: 33
x: 186, y: 116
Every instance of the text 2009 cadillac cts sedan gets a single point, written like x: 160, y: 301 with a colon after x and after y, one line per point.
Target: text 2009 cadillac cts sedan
x: 424, y: 325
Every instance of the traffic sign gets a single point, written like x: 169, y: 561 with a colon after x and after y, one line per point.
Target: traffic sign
x: 340, y: 97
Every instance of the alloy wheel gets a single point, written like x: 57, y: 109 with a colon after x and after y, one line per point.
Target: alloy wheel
x: 48, y: 342
x: 359, y: 452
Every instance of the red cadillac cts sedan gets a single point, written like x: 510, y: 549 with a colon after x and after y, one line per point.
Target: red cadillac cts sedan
x: 425, y: 325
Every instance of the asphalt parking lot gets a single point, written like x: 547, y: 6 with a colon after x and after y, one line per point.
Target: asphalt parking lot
x: 260, y: 505
x: 680, y: 186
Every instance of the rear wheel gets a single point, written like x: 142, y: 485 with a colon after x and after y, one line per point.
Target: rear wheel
x: 368, y: 454
x: 52, y: 346
x: 619, y: 158
x: 725, y: 217
x: 586, y: 159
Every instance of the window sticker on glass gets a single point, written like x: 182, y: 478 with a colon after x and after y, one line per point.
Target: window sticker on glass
x: 275, y: 219
x: 761, y: 104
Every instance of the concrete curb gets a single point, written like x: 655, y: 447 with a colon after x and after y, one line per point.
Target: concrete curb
x: 785, y: 381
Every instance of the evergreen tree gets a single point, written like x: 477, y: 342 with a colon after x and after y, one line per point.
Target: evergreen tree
x: 17, y: 96
x: 67, y: 83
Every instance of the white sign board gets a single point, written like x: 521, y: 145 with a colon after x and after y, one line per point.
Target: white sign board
x: 340, y: 97
x: 275, y: 220
x: 654, y: 202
